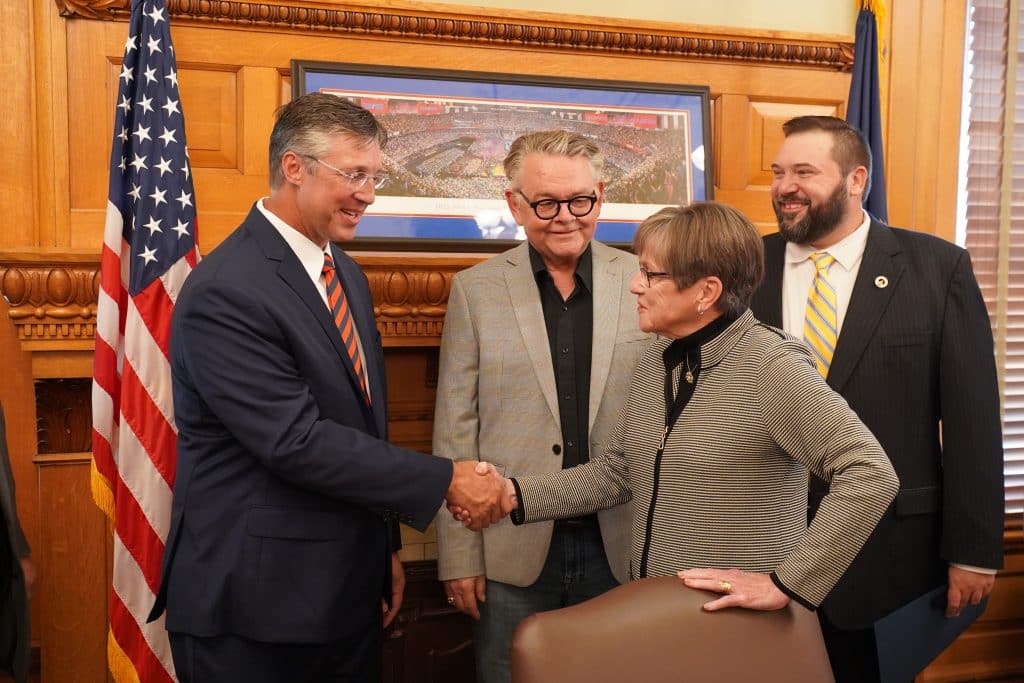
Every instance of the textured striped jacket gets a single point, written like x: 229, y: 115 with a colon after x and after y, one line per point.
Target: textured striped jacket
x: 731, y: 485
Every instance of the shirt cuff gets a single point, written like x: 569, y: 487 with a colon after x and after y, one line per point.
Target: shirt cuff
x: 979, y: 570
x: 518, y: 515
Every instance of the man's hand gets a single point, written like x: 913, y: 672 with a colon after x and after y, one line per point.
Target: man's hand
x: 464, y: 594
x: 28, y: 569
x: 738, y: 588
x: 966, y: 587
x: 509, y: 501
x: 397, y: 590
x: 478, y: 490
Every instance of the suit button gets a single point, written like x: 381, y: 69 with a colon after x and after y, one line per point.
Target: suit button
x: 556, y: 449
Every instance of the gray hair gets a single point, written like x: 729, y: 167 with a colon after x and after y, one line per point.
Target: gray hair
x: 559, y: 142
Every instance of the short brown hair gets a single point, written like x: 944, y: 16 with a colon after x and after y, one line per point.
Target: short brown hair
x: 705, y: 239
x: 559, y: 142
x: 850, y: 148
x: 304, y: 125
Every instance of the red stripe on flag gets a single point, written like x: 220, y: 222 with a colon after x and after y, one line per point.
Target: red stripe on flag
x: 104, y: 458
x: 155, y: 308
x: 105, y: 374
x: 138, y: 536
x: 149, y: 425
x: 129, y: 636
x: 110, y: 282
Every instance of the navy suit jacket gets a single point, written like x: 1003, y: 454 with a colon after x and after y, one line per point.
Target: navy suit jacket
x: 915, y: 361
x: 287, y: 492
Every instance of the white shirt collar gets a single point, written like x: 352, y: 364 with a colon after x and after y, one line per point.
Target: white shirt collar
x: 309, y: 253
x: 847, y: 252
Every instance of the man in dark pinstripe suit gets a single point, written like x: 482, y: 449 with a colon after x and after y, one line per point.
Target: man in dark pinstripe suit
x: 914, y: 359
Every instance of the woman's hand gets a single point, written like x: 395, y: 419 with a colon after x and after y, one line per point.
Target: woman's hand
x: 738, y: 588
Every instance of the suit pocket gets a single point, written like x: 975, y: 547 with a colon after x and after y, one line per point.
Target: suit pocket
x: 908, y: 339
x: 295, y: 524
x: 919, y: 501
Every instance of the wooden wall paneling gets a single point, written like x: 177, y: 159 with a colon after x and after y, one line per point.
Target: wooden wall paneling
x: 924, y: 97
x: 213, y: 128
x: 94, y: 67
x: 18, y: 173
x: 73, y: 565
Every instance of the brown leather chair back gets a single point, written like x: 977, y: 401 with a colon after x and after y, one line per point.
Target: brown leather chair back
x: 654, y: 630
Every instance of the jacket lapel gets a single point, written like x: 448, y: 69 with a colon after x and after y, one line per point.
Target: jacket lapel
x: 867, y: 302
x: 607, y: 299
x: 767, y: 301
x: 522, y: 288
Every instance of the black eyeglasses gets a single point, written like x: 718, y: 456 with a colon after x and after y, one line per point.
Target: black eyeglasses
x: 546, y: 209
x: 649, y: 275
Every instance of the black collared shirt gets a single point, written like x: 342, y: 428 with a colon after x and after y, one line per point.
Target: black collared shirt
x: 570, y: 326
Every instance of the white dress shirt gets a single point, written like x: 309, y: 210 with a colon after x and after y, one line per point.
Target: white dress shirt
x: 798, y: 276
x: 311, y: 257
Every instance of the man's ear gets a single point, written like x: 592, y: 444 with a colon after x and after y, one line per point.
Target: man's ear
x: 857, y: 183
x: 293, y: 168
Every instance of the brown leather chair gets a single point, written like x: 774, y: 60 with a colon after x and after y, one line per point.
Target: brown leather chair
x: 654, y: 630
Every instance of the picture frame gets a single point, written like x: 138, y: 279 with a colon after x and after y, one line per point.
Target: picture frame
x: 449, y: 131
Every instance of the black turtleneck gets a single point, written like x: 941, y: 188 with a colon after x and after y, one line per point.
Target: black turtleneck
x: 682, y: 361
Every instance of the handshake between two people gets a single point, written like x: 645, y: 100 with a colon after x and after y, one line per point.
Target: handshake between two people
x: 478, y: 496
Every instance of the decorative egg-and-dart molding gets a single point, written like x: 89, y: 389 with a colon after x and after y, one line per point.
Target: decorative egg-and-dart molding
x: 52, y: 300
x: 446, y: 25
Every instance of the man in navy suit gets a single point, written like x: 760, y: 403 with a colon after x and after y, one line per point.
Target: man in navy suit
x: 914, y: 360
x: 281, y: 562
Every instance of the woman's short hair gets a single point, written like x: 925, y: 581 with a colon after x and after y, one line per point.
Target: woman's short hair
x: 558, y: 142
x: 705, y: 239
x: 306, y: 124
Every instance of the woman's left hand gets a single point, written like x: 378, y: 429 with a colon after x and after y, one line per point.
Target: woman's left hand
x: 738, y: 588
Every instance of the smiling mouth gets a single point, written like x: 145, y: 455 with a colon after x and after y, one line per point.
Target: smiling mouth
x: 354, y: 215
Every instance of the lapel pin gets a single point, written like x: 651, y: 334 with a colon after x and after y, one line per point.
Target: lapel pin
x: 881, y: 282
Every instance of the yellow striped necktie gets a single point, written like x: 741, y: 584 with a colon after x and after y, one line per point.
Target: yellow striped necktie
x: 343, y: 319
x: 820, y: 323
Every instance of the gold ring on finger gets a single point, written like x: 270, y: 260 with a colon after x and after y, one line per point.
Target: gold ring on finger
x: 725, y: 586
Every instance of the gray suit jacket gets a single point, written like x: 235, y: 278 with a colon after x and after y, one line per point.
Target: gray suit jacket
x: 496, y: 401
x: 13, y: 600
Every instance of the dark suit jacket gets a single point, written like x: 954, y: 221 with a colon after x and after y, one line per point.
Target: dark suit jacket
x: 14, y: 622
x: 287, y: 491
x: 914, y: 352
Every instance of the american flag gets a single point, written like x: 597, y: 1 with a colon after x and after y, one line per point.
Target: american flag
x: 149, y: 248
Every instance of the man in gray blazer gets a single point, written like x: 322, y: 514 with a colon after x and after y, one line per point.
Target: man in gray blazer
x: 538, y: 351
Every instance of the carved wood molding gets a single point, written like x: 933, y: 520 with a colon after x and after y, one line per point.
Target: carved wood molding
x: 434, y: 24
x: 52, y: 300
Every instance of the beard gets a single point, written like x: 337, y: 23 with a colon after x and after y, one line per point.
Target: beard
x: 818, y: 221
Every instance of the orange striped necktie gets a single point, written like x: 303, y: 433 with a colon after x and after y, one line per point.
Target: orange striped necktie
x: 338, y: 303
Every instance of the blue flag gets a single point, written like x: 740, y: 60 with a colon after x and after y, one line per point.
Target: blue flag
x: 864, y: 109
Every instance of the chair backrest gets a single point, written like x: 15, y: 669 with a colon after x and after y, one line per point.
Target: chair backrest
x: 655, y: 630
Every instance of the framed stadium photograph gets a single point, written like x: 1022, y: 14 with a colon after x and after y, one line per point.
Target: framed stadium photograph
x: 449, y: 132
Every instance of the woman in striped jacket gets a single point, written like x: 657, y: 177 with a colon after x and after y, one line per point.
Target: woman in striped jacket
x: 725, y: 417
